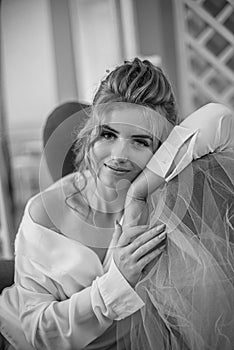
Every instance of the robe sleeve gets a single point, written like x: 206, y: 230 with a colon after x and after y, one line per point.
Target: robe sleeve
x: 207, y: 130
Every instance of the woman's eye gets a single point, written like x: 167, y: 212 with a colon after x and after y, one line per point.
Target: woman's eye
x: 107, y: 135
x: 141, y: 143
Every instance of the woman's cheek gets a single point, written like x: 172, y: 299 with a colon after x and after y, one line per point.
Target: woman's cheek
x: 100, y: 150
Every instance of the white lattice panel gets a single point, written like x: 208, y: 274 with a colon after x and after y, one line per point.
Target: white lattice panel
x: 205, y: 32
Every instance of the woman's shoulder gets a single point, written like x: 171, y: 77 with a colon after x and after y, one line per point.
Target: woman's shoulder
x: 49, y: 205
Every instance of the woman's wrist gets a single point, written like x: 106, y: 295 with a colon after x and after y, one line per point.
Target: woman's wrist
x: 146, y: 183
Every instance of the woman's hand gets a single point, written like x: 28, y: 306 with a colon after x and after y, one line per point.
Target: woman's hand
x: 135, y: 248
x: 135, y: 205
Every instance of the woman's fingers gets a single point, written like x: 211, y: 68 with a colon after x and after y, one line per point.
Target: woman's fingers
x: 140, y: 234
x: 137, y: 248
x: 145, y: 260
x: 130, y: 233
x: 149, y: 246
x: 148, y: 236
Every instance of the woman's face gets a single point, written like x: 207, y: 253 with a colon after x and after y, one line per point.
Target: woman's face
x: 124, y: 146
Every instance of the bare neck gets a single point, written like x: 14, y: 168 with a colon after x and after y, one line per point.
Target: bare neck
x: 105, y: 199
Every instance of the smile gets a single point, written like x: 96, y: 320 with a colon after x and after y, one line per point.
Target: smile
x: 117, y: 170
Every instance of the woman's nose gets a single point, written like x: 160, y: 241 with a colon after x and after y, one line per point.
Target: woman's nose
x: 119, y: 151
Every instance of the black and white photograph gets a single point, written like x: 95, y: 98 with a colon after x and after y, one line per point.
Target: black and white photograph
x: 116, y: 174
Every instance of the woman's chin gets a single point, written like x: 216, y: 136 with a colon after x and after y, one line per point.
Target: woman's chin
x: 117, y: 185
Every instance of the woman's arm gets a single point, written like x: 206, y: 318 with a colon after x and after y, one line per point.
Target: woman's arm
x: 209, y: 129
x: 63, y: 303
x: 50, y: 322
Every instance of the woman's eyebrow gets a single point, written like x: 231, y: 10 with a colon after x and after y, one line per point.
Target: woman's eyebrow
x: 107, y: 127
x: 143, y: 136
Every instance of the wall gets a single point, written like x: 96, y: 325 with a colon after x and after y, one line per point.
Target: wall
x: 28, y: 64
x: 96, y: 40
x: 155, y: 26
x: 63, y: 50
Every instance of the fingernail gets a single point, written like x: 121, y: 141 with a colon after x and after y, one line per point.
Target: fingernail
x: 162, y: 235
x: 160, y: 227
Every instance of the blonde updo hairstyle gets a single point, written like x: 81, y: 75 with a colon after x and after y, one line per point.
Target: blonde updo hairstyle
x: 136, y: 82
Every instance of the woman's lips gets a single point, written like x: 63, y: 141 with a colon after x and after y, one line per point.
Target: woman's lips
x: 119, y: 170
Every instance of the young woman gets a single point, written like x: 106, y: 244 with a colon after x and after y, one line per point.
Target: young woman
x: 70, y: 289
x: 77, y: 268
